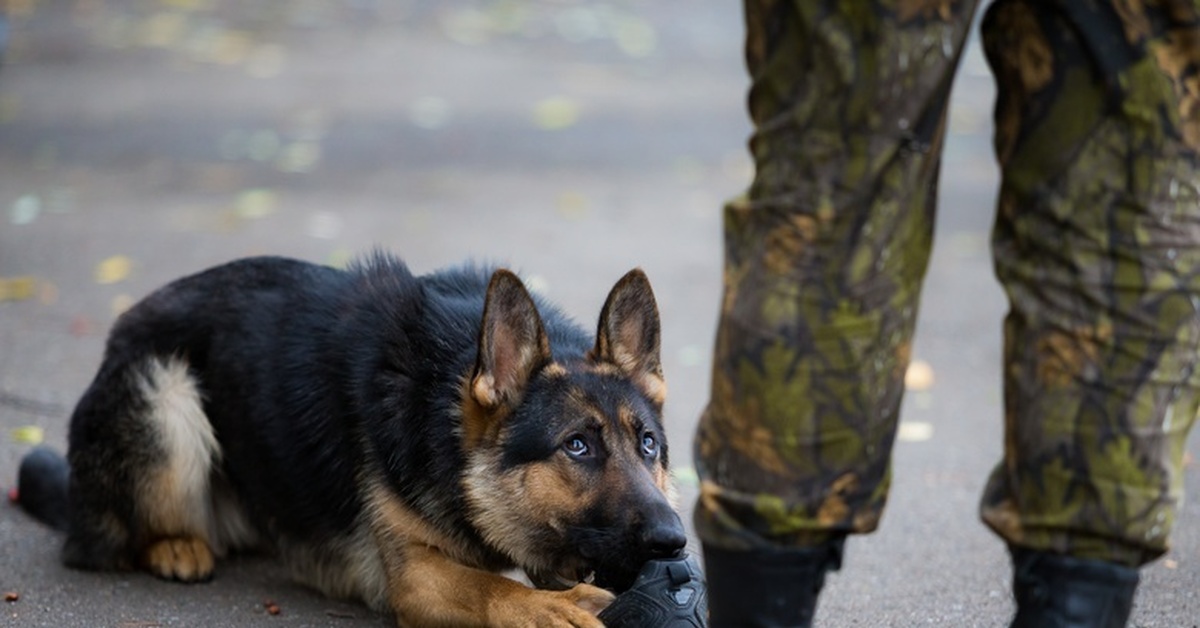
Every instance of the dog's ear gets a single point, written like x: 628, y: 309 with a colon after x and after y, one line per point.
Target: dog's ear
x: 629, y: 336
x: 512, y: 344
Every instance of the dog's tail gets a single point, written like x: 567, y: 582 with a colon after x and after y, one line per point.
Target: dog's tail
x: 42, y: 486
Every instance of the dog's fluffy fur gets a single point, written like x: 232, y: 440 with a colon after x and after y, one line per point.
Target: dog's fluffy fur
x: 394, y: 438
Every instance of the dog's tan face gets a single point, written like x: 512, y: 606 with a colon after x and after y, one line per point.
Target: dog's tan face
x: 567, y: 461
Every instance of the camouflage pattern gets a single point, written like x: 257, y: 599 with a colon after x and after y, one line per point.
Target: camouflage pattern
x: 823, y: 265
x: 1095, y: 242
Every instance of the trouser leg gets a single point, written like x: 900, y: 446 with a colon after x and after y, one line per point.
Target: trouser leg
x: 1097, y: 244
x: 823, y: 264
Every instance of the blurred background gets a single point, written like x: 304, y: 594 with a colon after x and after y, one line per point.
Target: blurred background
x: 572, y: 140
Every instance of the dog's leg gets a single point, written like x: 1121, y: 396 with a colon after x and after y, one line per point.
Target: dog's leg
x: 174, y: 499
x: 428, y: 588
x: 142, y: 453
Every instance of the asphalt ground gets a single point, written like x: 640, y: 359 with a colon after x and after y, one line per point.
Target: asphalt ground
x: 141, y: 140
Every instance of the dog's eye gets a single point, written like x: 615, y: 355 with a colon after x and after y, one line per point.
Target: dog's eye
x: 649, y: 444
x: 577, y: 446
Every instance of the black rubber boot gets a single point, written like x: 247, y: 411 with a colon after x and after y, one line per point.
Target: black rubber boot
x: 763, y: 588
x: 1057, y: 591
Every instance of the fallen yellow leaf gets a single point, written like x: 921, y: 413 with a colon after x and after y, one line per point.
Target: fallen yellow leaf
x: 113, y: 269
x: 28, y: 434
x: 255, y: 203
x: 914, y: 431
x: 919, y: 376
x: 553, y: 114
x: 16, y: 288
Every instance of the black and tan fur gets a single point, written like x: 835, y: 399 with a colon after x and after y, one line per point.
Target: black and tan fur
x: 394, y: 438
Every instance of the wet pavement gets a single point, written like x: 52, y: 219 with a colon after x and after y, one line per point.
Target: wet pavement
x: 143, y: 140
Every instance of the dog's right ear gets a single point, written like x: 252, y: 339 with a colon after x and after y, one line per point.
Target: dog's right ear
x: 629, y: 336
x: 512, y: 345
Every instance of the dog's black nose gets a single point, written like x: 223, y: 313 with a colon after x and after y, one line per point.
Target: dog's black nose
x: 664, y: 539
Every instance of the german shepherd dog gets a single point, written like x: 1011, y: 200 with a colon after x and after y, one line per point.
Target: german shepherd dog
x: 400, y: 439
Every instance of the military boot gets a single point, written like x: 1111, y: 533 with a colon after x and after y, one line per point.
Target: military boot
x: 1058, y: 591
x: 768, y: 588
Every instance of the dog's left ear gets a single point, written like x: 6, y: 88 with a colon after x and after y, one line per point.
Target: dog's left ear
x: 512, y: 344
x: 629, y: 336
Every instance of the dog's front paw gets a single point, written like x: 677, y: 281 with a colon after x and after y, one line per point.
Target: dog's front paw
x: 182, y: 559
x: 589, y: 598
x: 576, y: 607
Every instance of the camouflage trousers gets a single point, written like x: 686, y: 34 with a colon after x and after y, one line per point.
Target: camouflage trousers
x: 1096, y: 242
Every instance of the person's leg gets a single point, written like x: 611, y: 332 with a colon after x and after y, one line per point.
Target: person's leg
x: 823, y: 265
x: 1097, y: 243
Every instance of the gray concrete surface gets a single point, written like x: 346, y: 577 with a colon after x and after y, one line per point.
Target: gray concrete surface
x: 573, y: 140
